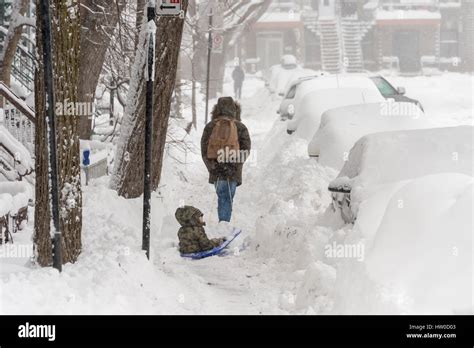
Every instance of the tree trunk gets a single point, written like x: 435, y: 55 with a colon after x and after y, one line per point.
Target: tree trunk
x: 98, y: 21
x: 41, y: 238
x: 128, y: 177
x: 65, y: 40
x: 139, y: 20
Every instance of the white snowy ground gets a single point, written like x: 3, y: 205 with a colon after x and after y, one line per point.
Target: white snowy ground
x: 276, y: 266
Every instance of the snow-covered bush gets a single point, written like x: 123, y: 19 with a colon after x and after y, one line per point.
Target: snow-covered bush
x: 13, y: 196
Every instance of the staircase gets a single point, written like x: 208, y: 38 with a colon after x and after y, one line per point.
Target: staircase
x: 351, y: 44
x: 331, y: 53
x: 341, y: 49
x: 23, y: 65
x: 18, y: 118
x: 23, y: 69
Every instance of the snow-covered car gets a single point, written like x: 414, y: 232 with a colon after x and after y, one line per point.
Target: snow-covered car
x: 390, y: 92
x: 281, y: 74
x: 299, y: 74
x: 409, y: 195
x: 315, y: 103
x: 340, y: 128
x: 379, y: 163
x: 357, y: 80
x: 294, y: 90
x: 304, y: 102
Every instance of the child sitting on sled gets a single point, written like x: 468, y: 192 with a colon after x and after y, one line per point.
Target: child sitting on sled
x: 192, y: 236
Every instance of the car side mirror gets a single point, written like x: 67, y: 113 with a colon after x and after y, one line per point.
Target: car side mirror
x: 401, y: 90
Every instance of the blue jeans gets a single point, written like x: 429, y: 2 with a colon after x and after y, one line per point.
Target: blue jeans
x: 225, y: 196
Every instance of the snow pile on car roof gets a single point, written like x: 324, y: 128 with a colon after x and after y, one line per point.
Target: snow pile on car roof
x: 315, y: 103
x: 341, y: 127
x: 400, y: 155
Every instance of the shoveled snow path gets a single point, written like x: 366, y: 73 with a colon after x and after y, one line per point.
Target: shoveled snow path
x: 239, y: 282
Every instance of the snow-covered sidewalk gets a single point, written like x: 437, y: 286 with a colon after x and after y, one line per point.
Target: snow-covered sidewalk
x: 278, y: 265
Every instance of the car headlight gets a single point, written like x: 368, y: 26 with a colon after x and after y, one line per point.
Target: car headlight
x: 291, y: 109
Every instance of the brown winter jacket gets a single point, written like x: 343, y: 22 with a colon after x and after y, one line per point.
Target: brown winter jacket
x: 192, y: 236
x: 225, y: 171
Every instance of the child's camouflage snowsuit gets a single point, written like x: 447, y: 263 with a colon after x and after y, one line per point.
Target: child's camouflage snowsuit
x: 192, y: 236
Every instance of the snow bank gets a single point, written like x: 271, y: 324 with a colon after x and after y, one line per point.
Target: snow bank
x: 341, y: 127
x: 112, y: 275
x: 423, y: 245
x: 314, y: 104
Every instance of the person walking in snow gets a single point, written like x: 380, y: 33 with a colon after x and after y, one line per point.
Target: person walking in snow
x: 238, y: 75
x: 225, y: 146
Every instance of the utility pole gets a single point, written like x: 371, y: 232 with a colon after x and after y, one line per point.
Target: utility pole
x: 209, y: 52
x: 113, y: 87
x: 51, y: 125
x: 151, y: 29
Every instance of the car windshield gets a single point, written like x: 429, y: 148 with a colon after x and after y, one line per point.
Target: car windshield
x: 383, y: 86
x: 291, y: 93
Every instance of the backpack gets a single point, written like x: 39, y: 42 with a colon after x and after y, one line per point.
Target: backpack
x: 224, y: 136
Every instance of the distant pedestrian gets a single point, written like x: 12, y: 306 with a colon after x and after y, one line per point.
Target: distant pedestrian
x: 238, y: 75
x: 225, y: 146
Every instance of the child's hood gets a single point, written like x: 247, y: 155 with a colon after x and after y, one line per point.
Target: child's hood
x: 188, y: 216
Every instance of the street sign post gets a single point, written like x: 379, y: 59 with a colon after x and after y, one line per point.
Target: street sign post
x: 208, y: 73
x: 168, y: 7
x: 150, y: 78
x: 217, y: 43
x: 51, y: 127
